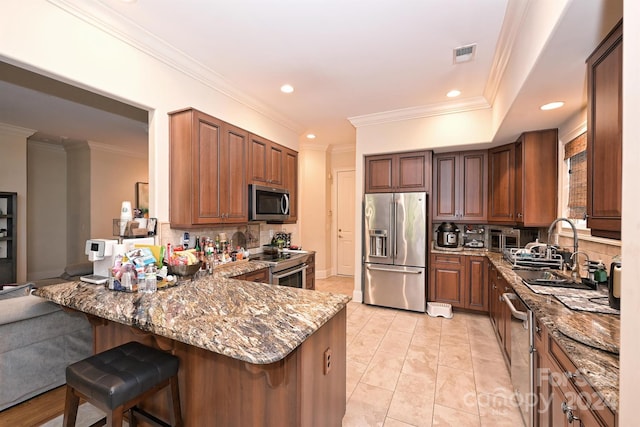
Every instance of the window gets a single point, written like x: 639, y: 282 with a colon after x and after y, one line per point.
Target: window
x: 575, y: 200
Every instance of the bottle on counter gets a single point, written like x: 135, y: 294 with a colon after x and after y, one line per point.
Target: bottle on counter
x: 151, y: 282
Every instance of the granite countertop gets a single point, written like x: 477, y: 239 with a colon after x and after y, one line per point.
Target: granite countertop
x: 572, y: 329
x: 254, y: 322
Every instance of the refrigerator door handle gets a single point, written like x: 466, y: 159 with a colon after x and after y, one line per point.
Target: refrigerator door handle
x: 393, y: 271
x: 395, y: 229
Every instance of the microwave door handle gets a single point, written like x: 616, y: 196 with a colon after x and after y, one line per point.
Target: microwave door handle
x: 285, y: 201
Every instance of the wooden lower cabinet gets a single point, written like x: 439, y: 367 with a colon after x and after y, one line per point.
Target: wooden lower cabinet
x: 310, y: 279
x: 459, y: 280
x: 565, y: 398
x: 499, y: 312
x: 217, y: 390
x: 259, y: 276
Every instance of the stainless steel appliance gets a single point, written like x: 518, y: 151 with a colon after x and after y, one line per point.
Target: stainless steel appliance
x: 502, y: 238
x: 614, y: 284
x: 521, y: 355
x: 448, y: 235
x: 268, y: 203
x: 395, y: 250
x: 285, y: 269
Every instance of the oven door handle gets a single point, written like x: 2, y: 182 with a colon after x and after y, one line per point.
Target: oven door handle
x: 290, y: 272
x: 520, y: 315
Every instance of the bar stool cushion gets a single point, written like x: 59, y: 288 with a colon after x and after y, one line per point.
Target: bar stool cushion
x: 120, y: 374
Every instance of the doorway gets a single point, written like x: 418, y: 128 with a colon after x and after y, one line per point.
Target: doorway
x: 345, y: 222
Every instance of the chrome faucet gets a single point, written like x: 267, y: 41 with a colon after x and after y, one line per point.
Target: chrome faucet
x: 573, y: 227
x: 575, y: 270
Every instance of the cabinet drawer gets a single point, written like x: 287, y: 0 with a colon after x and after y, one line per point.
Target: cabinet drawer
x: 580, y: 384
x: 261, y: 276
x: 446, y: 259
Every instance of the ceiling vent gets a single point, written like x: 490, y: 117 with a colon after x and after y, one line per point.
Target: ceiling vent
x: 464, y: 53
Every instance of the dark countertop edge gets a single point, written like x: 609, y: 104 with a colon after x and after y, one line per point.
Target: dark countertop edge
x: 225, y: 273
x: 548, y: 319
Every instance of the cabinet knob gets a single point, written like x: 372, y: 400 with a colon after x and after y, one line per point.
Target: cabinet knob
x: 519, y: 215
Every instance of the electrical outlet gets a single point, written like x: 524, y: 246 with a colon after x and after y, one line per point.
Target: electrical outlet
x: 327, y: 361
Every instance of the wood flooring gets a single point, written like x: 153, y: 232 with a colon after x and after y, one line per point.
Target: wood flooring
x: 35, y: 411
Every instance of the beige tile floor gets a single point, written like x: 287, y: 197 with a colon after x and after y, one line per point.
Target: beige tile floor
x: 409, y: 369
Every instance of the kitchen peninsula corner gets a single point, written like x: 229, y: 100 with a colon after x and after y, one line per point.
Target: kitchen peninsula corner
x: 250, y: 353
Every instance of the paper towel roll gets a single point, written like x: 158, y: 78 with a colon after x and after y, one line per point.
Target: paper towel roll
x: 126, y: 215
x: 616, y: 281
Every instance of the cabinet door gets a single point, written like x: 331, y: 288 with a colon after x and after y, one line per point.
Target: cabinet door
x: 232, y: 175
x: 477, y: 292
x: 275, y: 165
x: 472, y: 186
x: 311, y: 272
x: 445, y: 187
x: 378, y: 174
x: 290, y: 182
x: 412, y: 171
x: 501, y: 184
x: 447, y: 280
x: 604, y: 137
x: 536, y: 178
x: 258, y: 157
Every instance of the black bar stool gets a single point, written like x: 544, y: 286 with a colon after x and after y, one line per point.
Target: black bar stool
x: 116, y: 380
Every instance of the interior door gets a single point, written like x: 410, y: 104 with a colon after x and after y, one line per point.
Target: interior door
x: 345, y: 189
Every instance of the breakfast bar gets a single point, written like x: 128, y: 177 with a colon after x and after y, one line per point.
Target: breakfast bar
x: 250, y: 353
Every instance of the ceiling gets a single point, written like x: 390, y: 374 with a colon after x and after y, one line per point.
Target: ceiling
x: 345, y: 58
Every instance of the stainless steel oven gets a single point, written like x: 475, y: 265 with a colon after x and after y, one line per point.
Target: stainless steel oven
x: 294, y: 277
x: 285, y: 269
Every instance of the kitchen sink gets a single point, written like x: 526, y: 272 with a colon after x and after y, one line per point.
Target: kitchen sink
x: 552, y: 278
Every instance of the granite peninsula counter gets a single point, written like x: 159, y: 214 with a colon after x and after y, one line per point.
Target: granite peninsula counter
x: 256, y: 353
x: 598, y: 367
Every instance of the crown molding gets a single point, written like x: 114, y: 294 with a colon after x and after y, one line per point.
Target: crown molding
x: 45, y: 146
x: 573, y: 133
x: 450, y: 107
x: 343, y: 148
x: 314, y: 146
x: 11, y: 130
x: 107, y: 20
x: 99, y: 146
x: 513, y: 17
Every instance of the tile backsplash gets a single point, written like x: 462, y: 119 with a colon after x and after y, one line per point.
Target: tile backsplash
x: 255, y: 234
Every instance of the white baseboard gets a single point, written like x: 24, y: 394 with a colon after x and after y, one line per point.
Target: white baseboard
x: 323, y: 274
x: 357, y: 295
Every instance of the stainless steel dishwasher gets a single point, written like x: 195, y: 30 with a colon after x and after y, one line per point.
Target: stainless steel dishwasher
x: 521, y: 355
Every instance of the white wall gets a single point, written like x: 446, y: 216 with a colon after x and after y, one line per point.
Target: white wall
x: 114, y: 173
x: 13, y: 178
x: 100, y: 62
x: 314, y: 222
x: 630, y: 301
x: 47, y: 210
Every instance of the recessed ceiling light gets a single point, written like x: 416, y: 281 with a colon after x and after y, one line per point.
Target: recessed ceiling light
x: 311, y: 136
x: 453, y: 93
x: 552, y: 105
x: 286, y: 88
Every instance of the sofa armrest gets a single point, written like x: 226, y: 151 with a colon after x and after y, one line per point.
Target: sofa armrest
x: 26, y: 307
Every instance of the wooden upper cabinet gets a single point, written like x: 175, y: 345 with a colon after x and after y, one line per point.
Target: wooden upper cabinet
x: 501, y: 182
x: 523, y: 180
x: 460, y: 186
x: 403, y: 172
x: 266, y: 161
x: 604, y: 137
x: 207, y: 183
x: 290, y: 182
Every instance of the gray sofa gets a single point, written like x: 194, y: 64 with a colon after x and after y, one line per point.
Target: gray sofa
x: 37, y: 342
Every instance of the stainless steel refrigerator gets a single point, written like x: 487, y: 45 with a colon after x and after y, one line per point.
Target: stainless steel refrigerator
x: 395, y: 250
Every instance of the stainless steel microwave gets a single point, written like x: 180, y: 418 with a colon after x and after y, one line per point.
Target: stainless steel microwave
x: 502, y: 238
x: 268, y: 203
